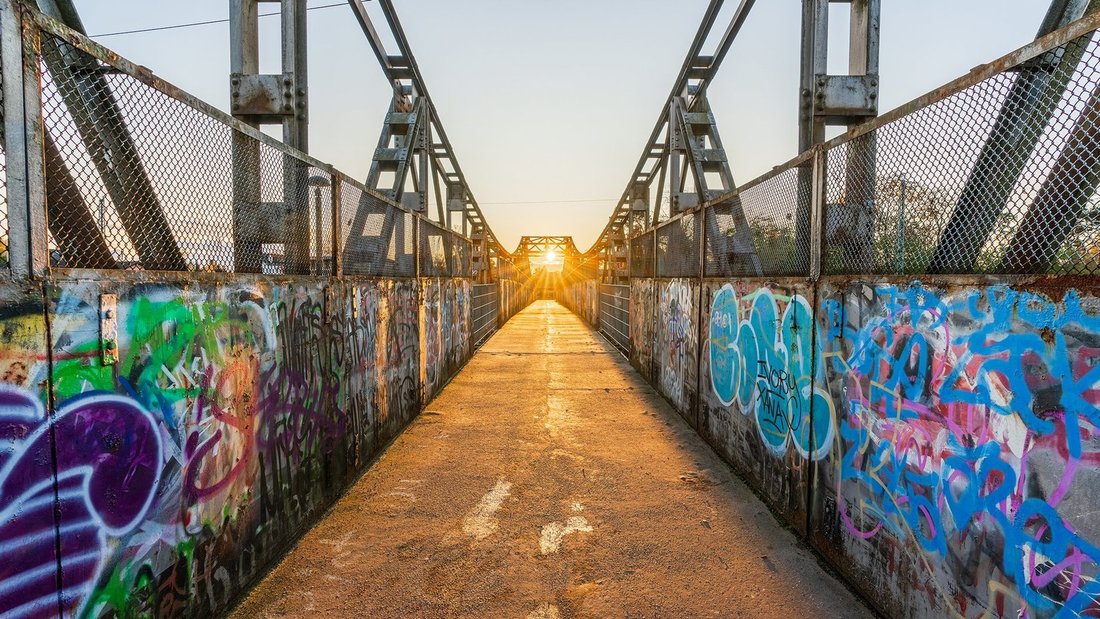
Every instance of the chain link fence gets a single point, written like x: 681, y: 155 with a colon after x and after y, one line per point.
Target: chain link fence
x: 378, y: 239
x: 642, y: 257
x: 996, y: 173
x: 756, y: 231
x: 141, y: 176
x: 436, y: 254
x: 138, y: 179
x: 678, y: 245
x: 998, y: 178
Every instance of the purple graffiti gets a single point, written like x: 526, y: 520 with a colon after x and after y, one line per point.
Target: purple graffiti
x: 107, y: 453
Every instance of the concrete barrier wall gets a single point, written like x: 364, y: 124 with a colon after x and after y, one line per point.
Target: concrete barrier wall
x: 583, y: 299
x: 937, y: 442
x: 758, y: 379
x: 239, y: 409
x: 514, y: 296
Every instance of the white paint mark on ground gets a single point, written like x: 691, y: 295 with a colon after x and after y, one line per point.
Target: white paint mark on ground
x: 480, y: 522
x: 545, y: 611
x: 557, y: 416
x: 555, y: 532
x: 405, y: 488
x: 344, y: 552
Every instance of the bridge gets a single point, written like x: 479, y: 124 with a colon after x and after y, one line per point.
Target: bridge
x: 236, y: 380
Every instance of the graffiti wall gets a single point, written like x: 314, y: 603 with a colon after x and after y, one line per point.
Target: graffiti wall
x: 963, y: 477
x: 939, y: 444
x: 445, y: 331
x: 583, y: 299
x: 675, y: 358
x: 764, y: 406
x: 643, y: 327
x: 159, y: 465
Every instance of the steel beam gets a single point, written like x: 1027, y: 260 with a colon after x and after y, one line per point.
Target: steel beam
x: 23, y: 137
x: 689, y: 87
x: 410, y: 88
x: 1033, y: 97
x: 103, y: 130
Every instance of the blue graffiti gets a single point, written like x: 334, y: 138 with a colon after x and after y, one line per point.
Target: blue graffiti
x: 968, y: 419
x: 763, y: 364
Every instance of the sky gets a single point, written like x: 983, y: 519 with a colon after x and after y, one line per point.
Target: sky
x: 549, y: 104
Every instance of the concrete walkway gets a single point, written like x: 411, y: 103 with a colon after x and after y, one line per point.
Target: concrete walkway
x: 548, y: 480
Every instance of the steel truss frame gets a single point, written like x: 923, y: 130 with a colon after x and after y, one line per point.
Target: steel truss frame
x: 414, y: 157
x: 684, y: 149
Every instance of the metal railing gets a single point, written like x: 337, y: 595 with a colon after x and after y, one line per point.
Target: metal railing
x: 615, y: 315
x: 995, y: 173
x: 484, y: 311
x: 135, y: 174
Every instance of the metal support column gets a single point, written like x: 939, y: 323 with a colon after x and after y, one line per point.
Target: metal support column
x: 258, y: 99
x: 28, y: 252
x: 840, y: 100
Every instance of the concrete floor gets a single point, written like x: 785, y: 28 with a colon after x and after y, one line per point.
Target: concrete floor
x: 548, y: 480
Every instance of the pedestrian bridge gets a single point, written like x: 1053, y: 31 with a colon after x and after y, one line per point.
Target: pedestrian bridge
x: 234, y: 380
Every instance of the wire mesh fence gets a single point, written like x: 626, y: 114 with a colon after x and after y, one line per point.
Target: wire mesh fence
x: 994, y: 176
x: 461, y: 252
x: 141, y: 176
x: 678, y: 245
x: 138, y: 179
x: 378, y: 239
x: 996, y: 173
x: 436, y: 253
x: 642, y: 256
x: 757, y: 230
x: 1000, y: 177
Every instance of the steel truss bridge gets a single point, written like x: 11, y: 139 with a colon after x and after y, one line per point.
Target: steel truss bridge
x: 209, y: 329
x: 416, y: 210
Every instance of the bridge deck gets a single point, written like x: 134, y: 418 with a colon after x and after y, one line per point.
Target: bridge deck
x: 549, y: 480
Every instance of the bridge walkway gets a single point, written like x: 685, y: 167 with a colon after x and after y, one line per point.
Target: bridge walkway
x: 548, y: 480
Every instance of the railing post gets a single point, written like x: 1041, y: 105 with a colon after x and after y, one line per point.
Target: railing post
x: 818, y: 197
x: 701, y: 330
x: 417, y: 240
x: 20, y: 50
x: 337, y: 199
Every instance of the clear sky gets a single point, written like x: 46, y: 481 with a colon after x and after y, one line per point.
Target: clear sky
x: 553, y: 101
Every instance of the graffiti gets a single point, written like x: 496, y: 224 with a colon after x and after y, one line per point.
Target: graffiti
x: 400, y: 347
x: 677, y: 331
x: 762, y: 363
x: 108, y: 461
x: 236, y: 412
x: 446, y: 331
x: 970, y: 435
x: 355, y: 361
x: 433, y: 344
